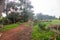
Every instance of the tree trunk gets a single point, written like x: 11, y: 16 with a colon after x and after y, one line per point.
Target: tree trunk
x: 2, y: 4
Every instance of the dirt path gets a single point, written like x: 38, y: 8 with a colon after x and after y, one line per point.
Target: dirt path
x: 20, y: 33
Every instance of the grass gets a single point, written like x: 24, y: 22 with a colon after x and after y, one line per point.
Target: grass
x: 10, y: 26
x: 39, y: 34
x: 52, y: 23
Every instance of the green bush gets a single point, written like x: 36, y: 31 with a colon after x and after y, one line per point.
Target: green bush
x: 40, y: 34
x: 3, y: 21
x: 58, y: 38
x: 14, y: 17
x: 42, y: 26
x: 21, y: 21
x: 35, y: 22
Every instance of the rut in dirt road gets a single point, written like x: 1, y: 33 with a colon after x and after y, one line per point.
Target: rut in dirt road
x: 19, y: 33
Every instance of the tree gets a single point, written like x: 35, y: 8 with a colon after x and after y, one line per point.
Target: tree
x: 2, y: 4
x: 26, y: 7
x: 25, y: 11
x: 59, y: 17
x: 14, y: 17
x: 9, y: 6
x: 40, y: 16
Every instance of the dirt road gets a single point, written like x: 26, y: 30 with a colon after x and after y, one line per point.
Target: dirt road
x: 20, y: 33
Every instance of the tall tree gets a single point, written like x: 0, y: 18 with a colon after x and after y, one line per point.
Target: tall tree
x: 26, y: 9
x: 9, y: 6
x: 2, y: 4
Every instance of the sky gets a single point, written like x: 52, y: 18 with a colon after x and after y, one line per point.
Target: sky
x: 47, y: 7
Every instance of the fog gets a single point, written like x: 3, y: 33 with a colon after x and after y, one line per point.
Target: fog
x: 49, y: 7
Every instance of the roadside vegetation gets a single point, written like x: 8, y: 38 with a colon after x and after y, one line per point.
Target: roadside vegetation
x: 42, y: 32
x: 10, y: 26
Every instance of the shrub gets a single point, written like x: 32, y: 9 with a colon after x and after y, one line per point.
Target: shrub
x: 5, y: 21
x: 35, y: 22
x: 42, y: 26
x: 13, y: 17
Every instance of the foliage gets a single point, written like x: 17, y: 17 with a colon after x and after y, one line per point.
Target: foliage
x: 59, y: 17
x: 58, y: 38
x: 25, y: 13
x: 14, y: 17
x: 10, y: 26
x: 40, y: 34
x: 4, y: 21
x: 42, y: 26
x: 35, y: 22
x: 40, y: 16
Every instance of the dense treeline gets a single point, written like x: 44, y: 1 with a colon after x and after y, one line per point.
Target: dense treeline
x: 44, y: 17
x: 17, y: 11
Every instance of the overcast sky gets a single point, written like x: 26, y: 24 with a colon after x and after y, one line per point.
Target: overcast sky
x: 50, y: 7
